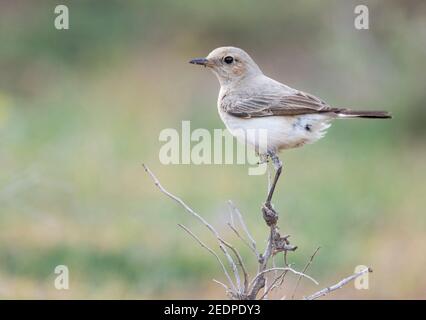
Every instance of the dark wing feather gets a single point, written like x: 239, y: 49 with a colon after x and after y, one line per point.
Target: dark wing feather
x: 275, y: 105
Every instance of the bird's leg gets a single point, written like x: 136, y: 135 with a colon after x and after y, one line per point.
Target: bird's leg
x: 269, y: 214
x: 278, y: 167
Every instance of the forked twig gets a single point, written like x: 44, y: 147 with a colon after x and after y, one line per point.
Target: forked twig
x: 240, y: 263
x: 275, y: 244
x: 240, y: 237
x: 202, y: 244
x: 283, y: 269
x: 304, y: 270
x: 244, y: 226
x: 273, y: 285
x: 228, y: 291
x: 222, y: 243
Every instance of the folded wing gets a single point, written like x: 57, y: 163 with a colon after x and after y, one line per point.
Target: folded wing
x: 271, y: 104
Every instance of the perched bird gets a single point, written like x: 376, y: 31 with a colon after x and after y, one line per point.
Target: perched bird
x: 249, y: 100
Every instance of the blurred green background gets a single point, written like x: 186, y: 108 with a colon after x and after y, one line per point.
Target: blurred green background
x: 81, y: 109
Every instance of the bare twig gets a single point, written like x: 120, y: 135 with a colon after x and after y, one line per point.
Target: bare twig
x: 275, y: 244
x: 240, y: 237
x: 285, y: 258
x: 240, y: 262
x: 259, y: 280
x: 222, y: 243
x: 273, y: 285
x: 268, y: 251
x: 283, y: 269
x: 278, y: 281
x: 338, y: 285
x: 223, y: 285
x: 202, y: 244
x: 304, y: 271
x: 244, y: 226
x: 229, y: 292
x: 231, y: 218
x: 267, y: 288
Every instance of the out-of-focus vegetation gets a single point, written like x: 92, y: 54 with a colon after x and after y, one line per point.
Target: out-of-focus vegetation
x: 81, y: 109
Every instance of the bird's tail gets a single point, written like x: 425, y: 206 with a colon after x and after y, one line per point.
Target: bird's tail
x: 347, y: 113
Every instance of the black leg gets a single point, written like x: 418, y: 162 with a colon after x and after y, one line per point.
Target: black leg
x: 278, y: 167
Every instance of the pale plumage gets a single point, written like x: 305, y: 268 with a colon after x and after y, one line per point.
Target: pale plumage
x: 250, y: 101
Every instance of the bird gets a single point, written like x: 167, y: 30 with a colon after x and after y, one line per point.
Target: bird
x: 250, y: 100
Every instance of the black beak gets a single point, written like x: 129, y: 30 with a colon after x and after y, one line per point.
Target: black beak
x: 200, y: 61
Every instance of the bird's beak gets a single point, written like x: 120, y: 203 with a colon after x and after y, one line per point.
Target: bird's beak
x: 200, y: 61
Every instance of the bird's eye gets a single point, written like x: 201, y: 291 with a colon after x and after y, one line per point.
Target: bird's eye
x: 228, y: 59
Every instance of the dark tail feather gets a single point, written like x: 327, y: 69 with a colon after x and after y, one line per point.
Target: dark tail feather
x: 346, y: 113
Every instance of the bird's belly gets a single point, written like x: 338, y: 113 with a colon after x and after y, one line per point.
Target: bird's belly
x: 281, y: 132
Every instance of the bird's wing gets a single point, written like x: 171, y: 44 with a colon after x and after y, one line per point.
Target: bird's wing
x: 275, y: 104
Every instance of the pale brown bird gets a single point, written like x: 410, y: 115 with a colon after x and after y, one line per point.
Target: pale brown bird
x: 249, y: 100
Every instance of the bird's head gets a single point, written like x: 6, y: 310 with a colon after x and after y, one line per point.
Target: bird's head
x: 230, y: 64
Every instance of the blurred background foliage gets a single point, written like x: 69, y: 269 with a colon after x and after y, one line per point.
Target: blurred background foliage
x: 81, y: 109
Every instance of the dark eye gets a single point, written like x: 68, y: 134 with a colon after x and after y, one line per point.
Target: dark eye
x: 228, y: 59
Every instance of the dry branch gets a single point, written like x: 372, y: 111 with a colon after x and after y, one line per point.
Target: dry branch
x: 235, y: 210
x: 275, y: 244
x: 275, y: 283
x: 338, y: 285
x: 304, y: 270
x: 202, y: 244
x: 283, y: 269
x: 222, y: 243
